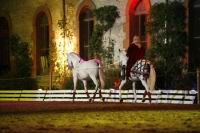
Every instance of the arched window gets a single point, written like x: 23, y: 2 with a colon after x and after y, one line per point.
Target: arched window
x: 4, y: 45
x: 86, y: 24
x: 42, y: 44
x: 138, y: 19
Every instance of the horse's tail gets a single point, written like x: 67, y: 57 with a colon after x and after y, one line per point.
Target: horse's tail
x: 152, y: 78
x: 101, y: 75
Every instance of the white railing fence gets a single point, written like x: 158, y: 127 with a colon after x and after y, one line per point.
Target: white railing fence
x: 158, y: 96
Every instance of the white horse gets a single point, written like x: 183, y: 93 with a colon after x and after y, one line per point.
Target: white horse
x: 84, y: 70
x: 142, y: 70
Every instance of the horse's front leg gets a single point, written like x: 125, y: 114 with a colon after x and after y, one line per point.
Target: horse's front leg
x: 120, y: 88
x: 75, y: 79
x: 134, y: 92
x: 86, y: 90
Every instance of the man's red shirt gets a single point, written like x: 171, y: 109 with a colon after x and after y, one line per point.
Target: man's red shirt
x: 134, y: 53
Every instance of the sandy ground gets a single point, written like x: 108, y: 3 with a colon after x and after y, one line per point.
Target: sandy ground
x: 12, y: 107
x: 84, y: 117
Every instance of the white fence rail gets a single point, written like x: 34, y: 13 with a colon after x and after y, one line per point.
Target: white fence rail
x: 158, y: 96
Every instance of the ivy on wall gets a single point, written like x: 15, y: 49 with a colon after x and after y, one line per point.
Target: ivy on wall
x: 168, y: 39
x: 58, y: 50
x: 105, y: 17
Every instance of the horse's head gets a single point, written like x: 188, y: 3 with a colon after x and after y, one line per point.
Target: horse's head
x: 69, y: 61
x: 122, y: 57
x: 72, y: 60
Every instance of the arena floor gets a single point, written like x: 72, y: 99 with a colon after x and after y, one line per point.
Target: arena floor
x: 9, y: 107
x: 83, y: 117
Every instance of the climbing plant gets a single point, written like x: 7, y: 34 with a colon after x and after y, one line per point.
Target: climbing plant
x: 105, y: 17
x: 59, y: 49
x: 168, y: 39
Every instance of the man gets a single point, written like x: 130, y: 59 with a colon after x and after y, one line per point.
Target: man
x: 135, y: 52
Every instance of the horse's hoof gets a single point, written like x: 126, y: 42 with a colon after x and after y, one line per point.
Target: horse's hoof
x: 121, y: 100
x: 103, y: 99
x: 143, y: 100
x: 90, y: 100
x: 149, y: 101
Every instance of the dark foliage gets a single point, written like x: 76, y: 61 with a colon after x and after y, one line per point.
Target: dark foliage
x: 20, y: 77
x: 168, y: 39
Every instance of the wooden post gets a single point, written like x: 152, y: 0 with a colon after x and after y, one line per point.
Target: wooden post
x: 198, y: 86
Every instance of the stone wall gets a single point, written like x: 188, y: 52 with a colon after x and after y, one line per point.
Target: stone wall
x: 22, y: 15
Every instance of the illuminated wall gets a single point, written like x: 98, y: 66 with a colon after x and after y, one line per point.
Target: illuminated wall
x: 22, y: 14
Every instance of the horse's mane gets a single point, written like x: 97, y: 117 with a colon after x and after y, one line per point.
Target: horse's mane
x: 75, y: 55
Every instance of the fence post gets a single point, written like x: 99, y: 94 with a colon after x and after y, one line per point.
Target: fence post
x: 198, y: 86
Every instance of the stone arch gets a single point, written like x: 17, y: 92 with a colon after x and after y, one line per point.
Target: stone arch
x: 8, y: 18
x: 84, y: 19
x: 135, y: 7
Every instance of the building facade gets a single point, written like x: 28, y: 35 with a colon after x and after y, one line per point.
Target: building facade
x: 36, y: 22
